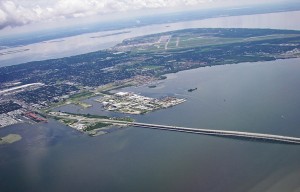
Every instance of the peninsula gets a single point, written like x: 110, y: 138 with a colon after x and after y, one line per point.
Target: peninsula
x: 30, y: 91
x: 126, y: 102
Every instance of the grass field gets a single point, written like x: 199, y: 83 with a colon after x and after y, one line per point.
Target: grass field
x: 185, y: 41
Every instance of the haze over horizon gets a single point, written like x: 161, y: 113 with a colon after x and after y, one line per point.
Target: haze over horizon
x: 18, y: 14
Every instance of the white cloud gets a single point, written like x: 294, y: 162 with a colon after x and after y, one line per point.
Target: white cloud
x: 21, y: 12
x: 2, y: 16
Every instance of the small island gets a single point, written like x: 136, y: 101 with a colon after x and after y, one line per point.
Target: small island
x: 9, y: 139
x: 191, y: 90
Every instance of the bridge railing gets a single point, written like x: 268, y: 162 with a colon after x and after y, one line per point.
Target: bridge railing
x: 259, y: 136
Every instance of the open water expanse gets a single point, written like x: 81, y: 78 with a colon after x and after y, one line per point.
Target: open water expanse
x: 258, y: 97
x: 255, y: 97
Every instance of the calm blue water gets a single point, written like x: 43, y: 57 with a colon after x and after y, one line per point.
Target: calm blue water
x: 255, y: 97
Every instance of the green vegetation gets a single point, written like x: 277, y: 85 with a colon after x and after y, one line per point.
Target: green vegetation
x: 88, y: 115
x: 77, y: 98
x: 90, y: 124
x: 150, y: 67
x: 187, y: 39
x: 96, y: 126
x: 82, y: 95
x: 107, y: 90
x: 128, y: 119
x: 73, y: 99
x: 69, y: 121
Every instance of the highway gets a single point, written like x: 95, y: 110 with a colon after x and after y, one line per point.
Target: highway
x: 223, y: 133
x: 236, y: 134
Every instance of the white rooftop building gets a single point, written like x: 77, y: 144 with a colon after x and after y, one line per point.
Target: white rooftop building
x: 122, y: 94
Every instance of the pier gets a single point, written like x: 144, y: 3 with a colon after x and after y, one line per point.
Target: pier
x: 224, y: 133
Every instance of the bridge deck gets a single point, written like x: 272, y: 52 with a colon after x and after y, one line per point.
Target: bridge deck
x: 257, y: 136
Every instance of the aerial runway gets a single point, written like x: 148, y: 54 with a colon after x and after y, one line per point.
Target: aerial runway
x: 235, y: 134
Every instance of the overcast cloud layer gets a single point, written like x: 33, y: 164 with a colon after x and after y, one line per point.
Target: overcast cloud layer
x: 22, y: 12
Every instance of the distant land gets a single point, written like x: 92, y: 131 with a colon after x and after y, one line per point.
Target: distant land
x: 31, y: 90
x: 9, y: 41
x: 111, y: 34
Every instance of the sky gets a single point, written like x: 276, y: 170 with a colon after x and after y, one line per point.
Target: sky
x: 16, y: 13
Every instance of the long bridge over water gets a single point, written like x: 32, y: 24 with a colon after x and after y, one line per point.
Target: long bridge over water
x: 237, y: 134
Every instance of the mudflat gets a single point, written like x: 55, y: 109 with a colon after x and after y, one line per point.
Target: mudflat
x: 11, y: 138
